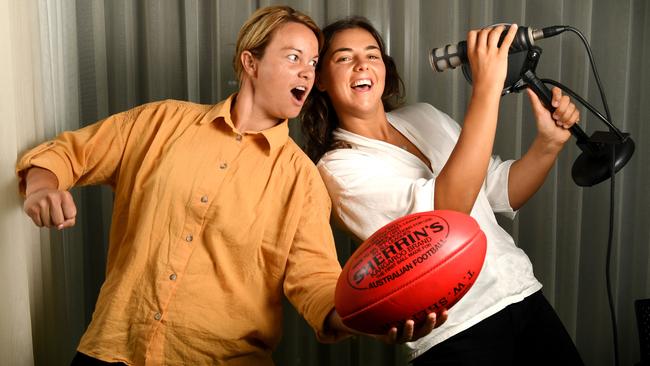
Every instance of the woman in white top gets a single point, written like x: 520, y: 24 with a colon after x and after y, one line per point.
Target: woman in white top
x: 381, y: 163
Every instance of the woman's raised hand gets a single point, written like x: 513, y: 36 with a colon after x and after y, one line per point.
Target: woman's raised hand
x: 487, y: 58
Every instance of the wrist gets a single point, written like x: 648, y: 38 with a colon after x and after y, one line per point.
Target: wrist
x: 38, y: 179
x: 334, y: 323
x: 547, y: 147
x: 333, y: 329
x: 487, y: 90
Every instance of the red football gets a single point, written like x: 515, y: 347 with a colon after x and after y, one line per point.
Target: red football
x: 415, y: 265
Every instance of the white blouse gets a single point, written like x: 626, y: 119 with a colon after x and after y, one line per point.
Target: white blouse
x: 373, y: 183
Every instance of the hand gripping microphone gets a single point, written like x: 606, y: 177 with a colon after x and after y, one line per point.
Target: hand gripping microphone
x: 452, y: 56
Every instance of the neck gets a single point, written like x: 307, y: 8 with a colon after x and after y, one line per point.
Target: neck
x: 373, y: 125
x: 246, y: 113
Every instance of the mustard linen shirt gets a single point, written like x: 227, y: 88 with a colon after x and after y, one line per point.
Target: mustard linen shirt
x: 209, y: 228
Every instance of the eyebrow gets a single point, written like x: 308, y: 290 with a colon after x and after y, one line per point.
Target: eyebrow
x: 347, y: 49
x: 292, y: 48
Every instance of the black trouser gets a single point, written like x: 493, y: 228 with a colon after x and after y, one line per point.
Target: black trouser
x: 525, y: 333
x: 81, y: 359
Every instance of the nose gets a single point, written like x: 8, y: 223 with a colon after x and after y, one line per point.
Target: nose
x: 362, y: 65
x: 307, y: 72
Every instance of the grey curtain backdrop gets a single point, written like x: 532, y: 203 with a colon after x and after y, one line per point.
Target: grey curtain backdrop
x: 90, y: 59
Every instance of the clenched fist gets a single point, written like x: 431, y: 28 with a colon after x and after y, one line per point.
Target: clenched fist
x: 45, y: 204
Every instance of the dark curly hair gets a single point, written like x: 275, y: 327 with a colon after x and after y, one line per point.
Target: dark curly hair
x: 318, y: 118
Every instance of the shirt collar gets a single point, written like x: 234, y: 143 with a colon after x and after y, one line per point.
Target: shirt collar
x: 275, y: 136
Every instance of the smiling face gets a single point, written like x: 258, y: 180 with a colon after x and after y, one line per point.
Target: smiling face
x: 353, y: 73
x: 284, y: 75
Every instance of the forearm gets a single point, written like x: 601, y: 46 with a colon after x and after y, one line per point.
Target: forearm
x: 528, y: 173
x: 460, y: 181
x: 38, y: 178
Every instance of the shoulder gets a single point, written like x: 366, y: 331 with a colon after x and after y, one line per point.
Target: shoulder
x: 424, y: 116
x: 351, y: 167
x: 167, y: 105
x: 346, y: 158
x: 419, y: 112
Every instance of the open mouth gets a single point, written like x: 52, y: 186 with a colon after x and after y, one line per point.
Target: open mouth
x: 362, y: 85
x: 299, y: 92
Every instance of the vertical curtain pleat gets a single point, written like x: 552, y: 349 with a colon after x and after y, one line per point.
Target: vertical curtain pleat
x: 16, y: 237
x: 71, y: 63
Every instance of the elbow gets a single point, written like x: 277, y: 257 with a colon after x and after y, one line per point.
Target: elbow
x: 457, y: 192
x: 460, y: 200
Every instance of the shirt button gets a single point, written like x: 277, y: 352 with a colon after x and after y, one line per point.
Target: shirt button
x: 157, y: 316
x: 223, y: 165
x: 172, y: 277
x: 238, y: 137
x: 189, y: 238
x: 204, y: 199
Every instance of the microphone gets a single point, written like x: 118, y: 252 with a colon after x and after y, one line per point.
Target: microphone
x: 452, y: 56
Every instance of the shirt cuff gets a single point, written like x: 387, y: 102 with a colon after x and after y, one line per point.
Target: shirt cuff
x: 44, y: 157
x: 497, y: 190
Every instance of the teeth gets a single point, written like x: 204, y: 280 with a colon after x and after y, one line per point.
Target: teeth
x: 362, y: 82
x: 301, y: 88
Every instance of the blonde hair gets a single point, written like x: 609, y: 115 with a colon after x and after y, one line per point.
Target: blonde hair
x: 256, y: 33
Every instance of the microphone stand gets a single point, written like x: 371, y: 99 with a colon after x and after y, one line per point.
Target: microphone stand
x: 602, y: 152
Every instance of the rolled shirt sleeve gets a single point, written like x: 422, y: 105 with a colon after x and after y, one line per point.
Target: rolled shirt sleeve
x: 496, y: 186
x: 90, y: 155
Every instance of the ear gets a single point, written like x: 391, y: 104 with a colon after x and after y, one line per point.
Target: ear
x: 249, y: 63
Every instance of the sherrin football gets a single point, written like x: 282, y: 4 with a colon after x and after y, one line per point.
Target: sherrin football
x: 418, y: 264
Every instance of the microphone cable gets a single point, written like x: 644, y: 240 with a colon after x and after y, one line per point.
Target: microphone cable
x: 610, y: 236
x: 593, y: 68
x: 612, y: 197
